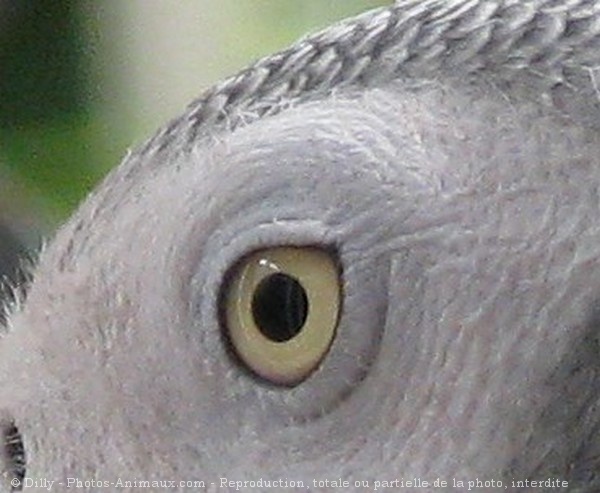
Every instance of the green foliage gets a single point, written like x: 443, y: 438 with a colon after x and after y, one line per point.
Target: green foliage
x: 54, y: 135
x: 58, y: 162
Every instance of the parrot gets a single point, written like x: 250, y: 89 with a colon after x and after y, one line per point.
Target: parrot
x: 368, y: 262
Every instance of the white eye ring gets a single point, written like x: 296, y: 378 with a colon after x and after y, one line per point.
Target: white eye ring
x: 281, y: 347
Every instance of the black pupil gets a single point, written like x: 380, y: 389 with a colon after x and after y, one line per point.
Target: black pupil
x: 279, y: 307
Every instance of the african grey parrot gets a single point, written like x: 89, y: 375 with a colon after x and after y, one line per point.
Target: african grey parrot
x: 368, y: 262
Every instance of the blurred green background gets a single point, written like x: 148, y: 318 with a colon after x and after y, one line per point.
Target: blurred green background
x: 81, y: 82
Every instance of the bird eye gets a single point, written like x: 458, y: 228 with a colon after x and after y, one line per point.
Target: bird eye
x: 281, y: 310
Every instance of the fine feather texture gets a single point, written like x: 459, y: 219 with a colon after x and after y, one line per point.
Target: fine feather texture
x: 414, y: 39
x: 446, y: 150
x: 543, y: 45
